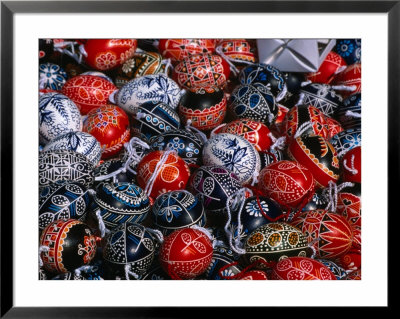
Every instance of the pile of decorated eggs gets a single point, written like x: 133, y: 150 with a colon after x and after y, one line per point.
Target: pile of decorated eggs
x: 195, y: 159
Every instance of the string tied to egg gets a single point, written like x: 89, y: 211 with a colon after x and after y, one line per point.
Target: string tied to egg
x: 332, y: 192
x: 130, y: 272
x: 200, y: 134
x: 42, y: 249
x: 350, y: 168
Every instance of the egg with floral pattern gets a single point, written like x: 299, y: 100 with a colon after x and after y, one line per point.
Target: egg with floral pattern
x: 51, y: 76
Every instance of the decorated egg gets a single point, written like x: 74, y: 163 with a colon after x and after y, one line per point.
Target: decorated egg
x: 62, y: 200
x: 106, y: 54
x: 350, y: 261
x: 129, y: 249
x: 355, y: 275
x: 88, y: 91
x: 215, y: 184
x: 141, y: 64
x: 269, y: 157
x: 155, y: 272
x: 51, y: 76
x: 46, y: 48
x: 57, y: 115
x: 349, y: 204
x: 202, y: 70
x: 177, y: 209
x: 334, y: 127
x: 179, y: 49
x: 257, y: 211
x: 237, y: 50
x: 332, y: 64
x: 329, y: 233
x: 255, y: 132
x: 293, y: 82
x: 204, y: 107
x: 109, y: 124
x: 223, y: 264
x: 154, y: 118
x: 121, y: 203
x: 254, y: 275
x: 301, y: 268
x: 273, y: 242
x: 351, y: 76
x: 318, y: 155
x: 287, y: 182
x: 349, y: 50
x: 186, y: 143
x: 79, y: 142
x: 305, y: 119
x: 186, y: 253
x: 349, y: 114
x: 111, y: 166
x: 172, y: 174
x: 351, y: 165
x: 70, y: 245
x: 254, y: 102
x: 345, y: 141
x: 65, y: 165
x: 233, y: 152
x: 148, y: 88
x: 99, y: 74
x: 280, y: 118
x: 321, y: 96
x: 339, y: 272
x: 318, y: 201
x: 266, y: 75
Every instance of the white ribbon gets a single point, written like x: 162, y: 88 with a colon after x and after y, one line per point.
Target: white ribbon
x: 333, y: 192
x: 351, y: 169
x: 102, y: 226
x: 41, y: 250
x: 150, y: 182
x: 303, y: 127
x: 129, y: 272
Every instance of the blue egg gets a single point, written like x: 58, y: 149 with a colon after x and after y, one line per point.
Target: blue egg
x: 51, y: 76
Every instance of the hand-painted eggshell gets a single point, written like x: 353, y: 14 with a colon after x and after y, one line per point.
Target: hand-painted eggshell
x: 349, y: 204
x: 267, y: 75
x: 64, y: 165
x: 301, y: 268
x: 141, y: 64
x: 305, y: 119
x: 254, y: 102
x: 238, y: 50
x: 215, y: 184
x: 223, y: 264
x: 349, y: 114
x: 349, y: 50
x: 186, y: 143
x: 334, y: 127
x: 355, y: 275
x: 51, y: 76
x: 345, y: 141
x: 88, y: 91
x: 79, y: 142
x: 234, y: 153
x: 321, y: 96
x: 271, y: 156
x: 273, y: 242
x: 318, y: 155
x: 293, y: 81
x: 350, y: 77
x: 148, y: 88
x: 350, y: 261
x: 186, y: 253
x: 155, y: 272
x: 351, y: 165
x: 177, y: 209
x: 255, y: 132
x: 106, y: 54
x: 70, y: 245
x: 179, y: 49
x: 129, y: 247
x: 332, y: 65
x: 287, y: 182
x: 62, y: 200
x: 205, y: 108
x: 172, y: 175
x: 154, y: 118
x: 99, y: 74
x: 121, y: 203
x: 104, y: 172
x: 254, y: 275
x: 318, y: 201
x: 46, y: 49
x: 109, y: 124
x: 339, y: 272
x: 57, y: 115
x: 333, y: 231
x: 202, y: 70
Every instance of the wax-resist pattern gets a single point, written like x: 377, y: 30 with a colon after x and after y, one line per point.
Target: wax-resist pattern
x: 51, y: 76
x: 349, y: 114
x: 351, y: 76
x: 179, y: 49
x: 327, y: 71
x: 238, y: 50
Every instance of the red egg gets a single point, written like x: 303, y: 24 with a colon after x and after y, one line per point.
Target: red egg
x: 349, y: 77
x: 107, y: 54
x: 351, y: 165
x: 254, y: 275
x: 330, y: 233
x: 186, y: 253
x: 172, y: 175
x: 318, y: 155
x: 332, y: 64
x: 301, y: 268
x: 351, y: 261
x: 349, y: 204
x: 356, y: 236
x: 202, y: 70
x: 334, y: 127
x: 109, y: 124
x: 287, y: 182
x: 179, y: 49
x: 88, y: 91
x: 238, y: 50
x: 255, y: 132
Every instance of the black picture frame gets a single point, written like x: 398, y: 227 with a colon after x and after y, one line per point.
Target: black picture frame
x: 9, y: 8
